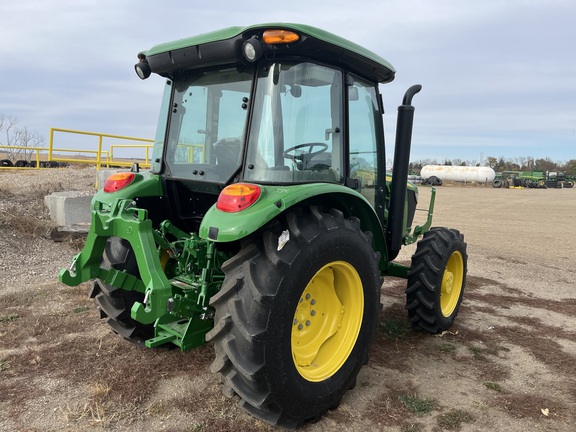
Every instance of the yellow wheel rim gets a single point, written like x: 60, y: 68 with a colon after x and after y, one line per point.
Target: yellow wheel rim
x: 452, y: 283
x: 327, y: 321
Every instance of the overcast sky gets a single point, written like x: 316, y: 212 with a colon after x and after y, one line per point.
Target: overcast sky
x: 499, y: 77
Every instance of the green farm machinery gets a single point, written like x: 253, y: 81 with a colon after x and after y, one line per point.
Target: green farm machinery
x: 532, y: 180
x: 558, y: 180
x: 267, y: 221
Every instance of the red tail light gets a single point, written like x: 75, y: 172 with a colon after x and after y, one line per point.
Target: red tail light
x: 118, y: 181
x: 237, y: 197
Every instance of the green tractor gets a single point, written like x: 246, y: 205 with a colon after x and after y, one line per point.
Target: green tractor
x: 267, y: 221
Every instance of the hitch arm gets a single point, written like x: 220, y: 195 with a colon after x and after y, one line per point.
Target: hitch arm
x: 132, y: 224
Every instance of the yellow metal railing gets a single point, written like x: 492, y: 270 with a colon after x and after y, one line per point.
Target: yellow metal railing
x: 188, y: 153
x: 101, y: 155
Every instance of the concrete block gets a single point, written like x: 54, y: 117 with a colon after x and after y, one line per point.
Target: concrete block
x: 69, y: 208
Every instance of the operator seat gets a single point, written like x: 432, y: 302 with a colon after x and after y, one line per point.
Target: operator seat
x: 227, y: 152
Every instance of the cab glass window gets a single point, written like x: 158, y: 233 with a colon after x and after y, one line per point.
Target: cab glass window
x: 208, y: 117
x: 295, y: 133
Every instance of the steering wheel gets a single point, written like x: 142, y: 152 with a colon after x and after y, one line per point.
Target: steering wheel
x: 303, y: 156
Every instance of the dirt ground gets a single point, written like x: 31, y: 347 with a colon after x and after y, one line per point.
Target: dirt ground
x: 508, y: 363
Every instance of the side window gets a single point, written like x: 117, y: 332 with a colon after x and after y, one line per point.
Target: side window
x: 363, y: 113
x: 295, y: 132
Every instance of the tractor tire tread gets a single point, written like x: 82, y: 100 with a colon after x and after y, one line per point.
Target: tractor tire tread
x: 425, y: 275
x: 244, y: 307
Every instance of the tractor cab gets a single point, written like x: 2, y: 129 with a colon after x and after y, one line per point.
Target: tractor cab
x: 279, y: 110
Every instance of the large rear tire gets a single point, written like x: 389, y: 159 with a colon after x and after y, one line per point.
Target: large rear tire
x: 294, y: 321
x: 436, y: 280
x: 115, y: 304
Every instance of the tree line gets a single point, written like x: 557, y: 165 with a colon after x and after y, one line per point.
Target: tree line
x: 523, y: 163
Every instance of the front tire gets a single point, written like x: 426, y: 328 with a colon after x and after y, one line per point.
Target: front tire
x: 293, y: 326
x: 436, y: 280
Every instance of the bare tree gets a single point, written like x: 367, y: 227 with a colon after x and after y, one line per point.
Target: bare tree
x: 522, y: 162
x: 7, y: 136
x: 28, y: 139
x: 12, y: 137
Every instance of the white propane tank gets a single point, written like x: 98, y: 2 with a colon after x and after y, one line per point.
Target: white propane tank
x: 458, y: 173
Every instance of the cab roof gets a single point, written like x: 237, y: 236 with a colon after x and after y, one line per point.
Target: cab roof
x: 224, y: 46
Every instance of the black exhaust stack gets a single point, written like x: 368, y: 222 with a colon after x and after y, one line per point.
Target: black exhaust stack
x: 395, y: 227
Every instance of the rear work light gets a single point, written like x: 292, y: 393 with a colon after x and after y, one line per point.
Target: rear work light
x: 237, y: 197
x: 118, y: 181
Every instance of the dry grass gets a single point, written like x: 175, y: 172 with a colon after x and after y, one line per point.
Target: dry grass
x: 483, y: 354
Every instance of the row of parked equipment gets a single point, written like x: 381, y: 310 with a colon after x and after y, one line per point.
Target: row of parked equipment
x: 533, y: 180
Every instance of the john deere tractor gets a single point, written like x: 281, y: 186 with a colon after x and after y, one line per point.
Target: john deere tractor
x: 267, y: 221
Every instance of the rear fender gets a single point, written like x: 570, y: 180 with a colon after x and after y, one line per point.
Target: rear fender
x: 220, y: 226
